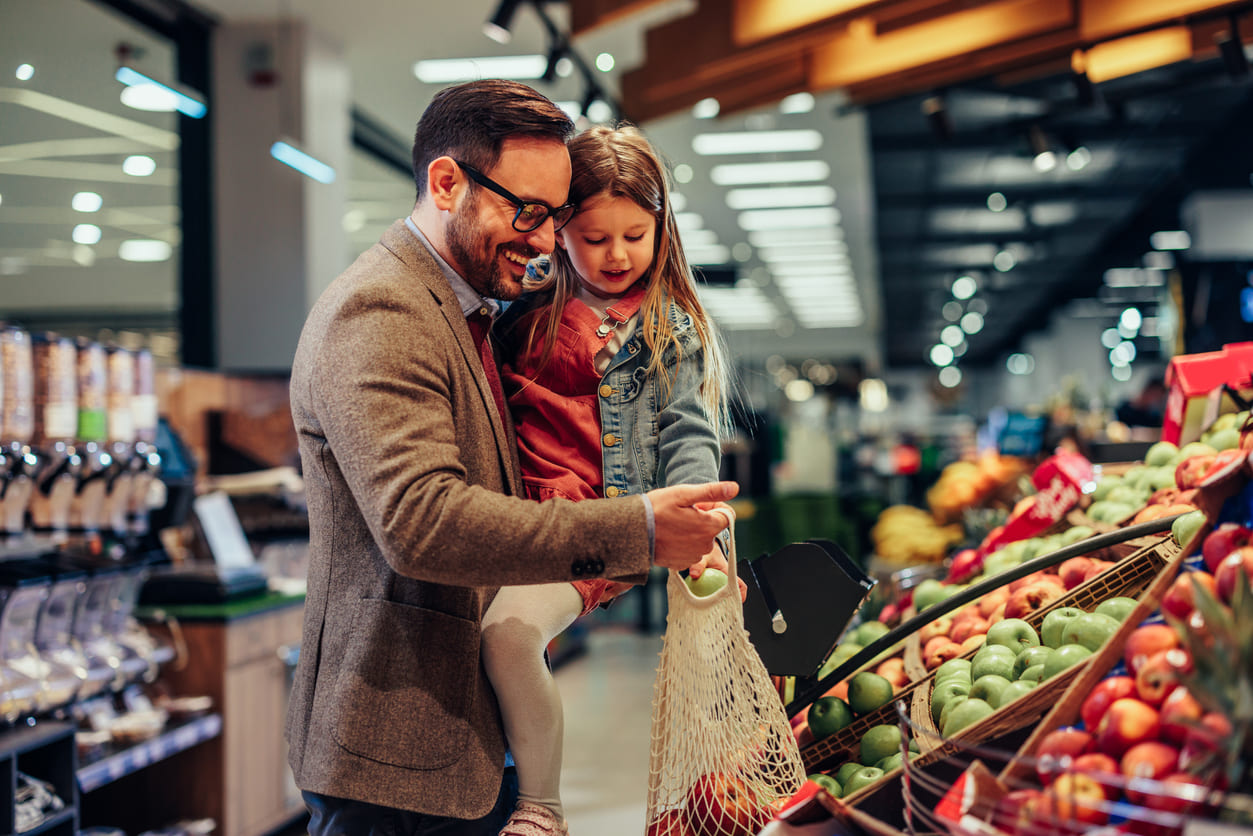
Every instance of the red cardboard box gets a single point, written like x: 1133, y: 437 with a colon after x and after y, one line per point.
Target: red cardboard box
x: 1191, y: 378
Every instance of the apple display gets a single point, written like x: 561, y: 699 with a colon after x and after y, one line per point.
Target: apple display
x: 1102, y: 696
x: 1055, y: 622
x: 1014, y: 633
x: 1091, y: 630
x: 723, y: 805
x: 1127, y: 721
x: 1179, y: 599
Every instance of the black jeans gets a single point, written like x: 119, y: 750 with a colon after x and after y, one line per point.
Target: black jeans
x: 330, y: 816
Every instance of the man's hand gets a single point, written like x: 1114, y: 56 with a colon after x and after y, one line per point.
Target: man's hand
x: 686, y: 523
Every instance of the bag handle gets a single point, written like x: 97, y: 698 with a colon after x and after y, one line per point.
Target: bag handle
x: 733, y: 585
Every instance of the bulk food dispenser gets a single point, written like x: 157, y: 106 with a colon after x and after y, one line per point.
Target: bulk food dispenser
x: 31, y: 592
x: 57, y: 463
x: 87, y: 508
x: 17, y: 427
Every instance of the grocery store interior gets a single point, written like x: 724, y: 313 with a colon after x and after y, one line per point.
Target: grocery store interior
x: 985, y: 271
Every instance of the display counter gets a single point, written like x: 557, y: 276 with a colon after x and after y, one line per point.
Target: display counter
x: 241, y: 654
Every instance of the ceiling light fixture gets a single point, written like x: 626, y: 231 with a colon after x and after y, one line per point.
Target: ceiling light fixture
x: 146, y: 93
x: 997, y: 202
x: 25, y: 72
x: 964, y: 287
x: 776, y: 198
x: 1170, y: 239
x: 706, y: 108
x: 1043, y: 158
x: 498, y: 25
x: 453, y: 70
x: 748, y: 174
x: 797, y: 103
x: 756, y: 142
x: 761, y: 219
x: 950, y: 377
x: 556, y: 55
x: 86, y: 202
x: 139, y: 165
x: 288, y: 152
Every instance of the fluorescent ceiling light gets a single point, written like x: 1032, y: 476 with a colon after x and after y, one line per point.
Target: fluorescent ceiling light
x: 25, y: 72
x: 748, y: 174
x: 774, y: 198
x: 139, y: 165
x: 804, y: 252
x: 737, y: 308
x: 756, y: 142
x: 86, y: 202
x: 286, y: 152
x: 827, y: 268
x: 448, y: 70
x: 85, y: 234
x: 151, y: 91
x: 699, y: 238
x: 144, y: 249
x: 1170, y: 239
x: 705, y: 109
x: 784, y: 237
x: 687, y: 221
x: 797, y: 103
x: 759, y: 219
x: 715, y: 254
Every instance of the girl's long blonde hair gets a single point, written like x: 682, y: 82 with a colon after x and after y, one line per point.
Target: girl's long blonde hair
x: 620, y: 162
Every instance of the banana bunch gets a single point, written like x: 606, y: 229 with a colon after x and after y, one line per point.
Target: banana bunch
x: 905, y: 534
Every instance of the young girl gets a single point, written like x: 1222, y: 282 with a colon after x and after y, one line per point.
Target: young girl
x: 617, y: 385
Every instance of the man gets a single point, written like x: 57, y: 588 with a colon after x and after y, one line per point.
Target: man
x: 411, y: 478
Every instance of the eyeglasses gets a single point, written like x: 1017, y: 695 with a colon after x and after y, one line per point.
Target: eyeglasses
x: 530, y: 215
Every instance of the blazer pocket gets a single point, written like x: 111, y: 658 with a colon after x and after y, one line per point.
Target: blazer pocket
x: 406, y: 685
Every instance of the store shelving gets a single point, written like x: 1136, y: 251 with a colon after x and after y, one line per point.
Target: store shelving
x: 120, y: 762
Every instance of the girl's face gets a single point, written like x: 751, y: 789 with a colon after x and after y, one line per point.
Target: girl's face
x: 610, y: 243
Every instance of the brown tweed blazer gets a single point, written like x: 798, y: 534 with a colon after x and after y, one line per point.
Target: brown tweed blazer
x: 413, y: 524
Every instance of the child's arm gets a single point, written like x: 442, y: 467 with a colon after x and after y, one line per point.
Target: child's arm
x: 688, y: 450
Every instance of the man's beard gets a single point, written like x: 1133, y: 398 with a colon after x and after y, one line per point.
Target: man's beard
x: 479, y: 262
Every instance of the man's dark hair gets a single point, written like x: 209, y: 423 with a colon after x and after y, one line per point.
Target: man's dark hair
x: 471, y: 121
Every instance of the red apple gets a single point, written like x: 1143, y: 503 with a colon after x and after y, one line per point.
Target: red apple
x: 669, y: 823
x: 1180, y: 598
x: 1076, y: 797
x: 1058, y: 749
x: 1127, y: 721
x: 723, y: 805
x: 1096, y: 568
x: 1191, y: 471
x: 991, y: 600
x: 939, y: 627
x: 936, y: 654
x: 1103, y: 768
x: 973, y: 626
x: 1030, y: 598
x: 1232, y: 566
x: 1144, y: 641
x: 1026, y: 580
x: 1151, y: 760
x: 1073, y: 571
x: 893, y: 670
x: 1181, y: 793
x: 973, y: 642
x: 1204, y: 741
x: 1102, y: 697
x: 1224, y: 540
x: 965, y: 564
x: 1009, y: 806
x: 1159, y: 674
x: 1179, y: 713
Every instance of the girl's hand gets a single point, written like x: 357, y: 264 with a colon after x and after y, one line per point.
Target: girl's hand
x: 714, y: 559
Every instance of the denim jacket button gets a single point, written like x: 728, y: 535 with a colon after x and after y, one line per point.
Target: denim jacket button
x: 605, y: 390
x: 611, y: 491
x: 610, y: 439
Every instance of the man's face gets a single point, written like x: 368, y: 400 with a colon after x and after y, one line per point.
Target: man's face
x: 483, y: 245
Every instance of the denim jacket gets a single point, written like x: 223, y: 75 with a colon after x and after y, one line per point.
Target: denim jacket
x: 649, y: 440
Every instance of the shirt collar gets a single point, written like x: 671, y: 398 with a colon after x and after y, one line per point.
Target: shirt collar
x: 470, y: 300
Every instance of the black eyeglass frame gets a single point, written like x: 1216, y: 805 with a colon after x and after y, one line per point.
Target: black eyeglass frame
x: 522, y: 205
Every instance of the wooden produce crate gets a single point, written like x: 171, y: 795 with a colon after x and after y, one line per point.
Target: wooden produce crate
x: 843, y: 745
x: 1129, y: 577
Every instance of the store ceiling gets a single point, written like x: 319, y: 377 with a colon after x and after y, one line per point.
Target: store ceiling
x: 913, y: 201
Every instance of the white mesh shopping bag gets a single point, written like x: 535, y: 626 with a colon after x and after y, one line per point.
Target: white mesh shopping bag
x: 722, y: 758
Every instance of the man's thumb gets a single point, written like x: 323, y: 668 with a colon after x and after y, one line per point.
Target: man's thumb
x: 710, y: 492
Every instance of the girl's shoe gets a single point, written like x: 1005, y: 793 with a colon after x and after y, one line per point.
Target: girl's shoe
x: 530, y: 819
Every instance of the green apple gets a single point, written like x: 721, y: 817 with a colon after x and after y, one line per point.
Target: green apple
x: 1076, y: 533
x: 1055, y: 622
x: 969, y: 712
x: 1192, y: 448
x: 1092, y: 629
x: 863, y: 777
x: 868, y: 631
x: 1063, y: 657
x: 1104, y: 485
x: 1033, y: 674
x: 1117, y: 608
x: 1014, y: 633
x: 927, y: 593
x: 878, y: 742
x: 951, y: 667
x: 948, y: 711
x: 992, y: 658
x: 1161, y: 454
x: 1225, y: 439
x: 828, y: 783
x: 890, y: 763
x: 1015, y: 690
x: 1160, y: 477
x: 709, y: 582
x: 842, y: 774
x: 842, y: 653
x: 1187, y: 525
x: 944, y: 693
x: 989, y: 688
x: 827, y: 715
x: 867, y: 691
x: 1001, y: 561
x: 1031, y: 656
